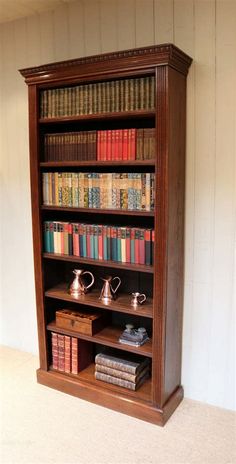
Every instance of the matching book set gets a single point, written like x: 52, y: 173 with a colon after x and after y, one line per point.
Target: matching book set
x: 104, y: 145
x: 124, y: 191
x: 99, y: 97
x: 103, y: 242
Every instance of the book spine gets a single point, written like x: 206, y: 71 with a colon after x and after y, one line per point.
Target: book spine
x: 115, y: 381
x: 123, y: 244
x: 127, y: 245
x: 148, y: 237
x: 100, y: 243
x: 141, y: 246
x: 67, y: 354
x: 153, y: 243
x: 61, y: 353
x: 54, y: 339
x: 74, y: 356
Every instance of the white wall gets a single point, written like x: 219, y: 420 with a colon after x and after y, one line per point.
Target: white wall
x: 206, y: 29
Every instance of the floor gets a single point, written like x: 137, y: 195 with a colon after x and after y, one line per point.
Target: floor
x: 41, y: 425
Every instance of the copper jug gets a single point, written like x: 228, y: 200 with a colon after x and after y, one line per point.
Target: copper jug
x: 108, y: 293
x: 78, y: 287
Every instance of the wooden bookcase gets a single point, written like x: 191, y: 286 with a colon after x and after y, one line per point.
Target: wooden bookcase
x: 159, y: 396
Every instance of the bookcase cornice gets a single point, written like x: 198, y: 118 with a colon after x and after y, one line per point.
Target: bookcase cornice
x: 134, y: 59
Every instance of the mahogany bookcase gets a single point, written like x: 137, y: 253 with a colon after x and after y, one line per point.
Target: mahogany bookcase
x: 159, y: 396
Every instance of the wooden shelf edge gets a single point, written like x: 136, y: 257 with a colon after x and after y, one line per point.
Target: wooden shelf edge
x: 94, y: 163
x: 95, y: 262
x: 60, y: 292
x: 111, y: 399
x: 101, y: 116
x: 119, y: 212
x: 101, y: 339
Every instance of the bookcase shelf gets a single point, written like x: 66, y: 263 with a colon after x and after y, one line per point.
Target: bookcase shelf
x: 121, y: 304
x: 109, y: 336
x: 143, y: 394
x: 147, y: 77
x: 78, y: 164
x: 122, y: 212
x: 100, y: 262
x: 140, y: 114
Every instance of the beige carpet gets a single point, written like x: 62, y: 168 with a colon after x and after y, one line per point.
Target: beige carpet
x: 41, y: 425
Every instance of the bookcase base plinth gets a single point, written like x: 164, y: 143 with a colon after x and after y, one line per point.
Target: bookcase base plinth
x: 111, y: 399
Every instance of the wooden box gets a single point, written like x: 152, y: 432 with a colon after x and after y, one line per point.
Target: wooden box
x: 80, y: 321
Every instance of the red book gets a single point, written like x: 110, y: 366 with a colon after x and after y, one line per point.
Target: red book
x: 54, y: 350
x: 136, y: 246
x: 119, y: 144
x: 99, y: 145
x: 141, y: 247
x: 100, y: 243
x: 61, y: 353
x: 113, y: 144
x: 74, y: 355
x: 132, y: 144
x: 108, y: 148
x: 67, y: 354
x: 127, y: 244
x: 88, y: 243
x: 125, y: 145
x: 116, y: 153
x: 153, y: 240
x: 104, y: 146
x: 76, y: 239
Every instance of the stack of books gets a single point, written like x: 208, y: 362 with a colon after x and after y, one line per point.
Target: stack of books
x: 129, y: 191
x: 122, y: 244
x: 69, y: 354
x: 99, y: 97
x: 128, y: 372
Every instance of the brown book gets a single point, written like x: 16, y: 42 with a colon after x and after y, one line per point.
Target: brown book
x: 54, y: 338
x: 74, y: 355
x: 61, y: 353
x: 67, y: 354
x: 120, y: 374
x: 124, y: 362
x: 120, y: 382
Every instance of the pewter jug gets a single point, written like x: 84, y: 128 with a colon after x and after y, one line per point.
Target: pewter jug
x: 108, y: 293
x: 78, y: 287
x: 138, y: 298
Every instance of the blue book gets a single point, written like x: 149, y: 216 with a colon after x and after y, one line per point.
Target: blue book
x: 84, y: 241
x: 132, y: 246
x: 92, y: 241
x: 113, y: 243
x: 104, y: 238
x: 95, y: 242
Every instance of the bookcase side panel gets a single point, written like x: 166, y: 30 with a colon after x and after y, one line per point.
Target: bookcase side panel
x: 36, y: 221
x: 175, y: 234
x: 160, y: 257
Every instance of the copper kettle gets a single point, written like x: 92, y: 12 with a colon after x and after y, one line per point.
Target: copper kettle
x: 78, y: 287
x: 108, y: 293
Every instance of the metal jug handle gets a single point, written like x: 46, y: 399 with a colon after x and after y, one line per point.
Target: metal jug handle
x: 115, y: 290
x: 143, y: 299
x: 92, y: 282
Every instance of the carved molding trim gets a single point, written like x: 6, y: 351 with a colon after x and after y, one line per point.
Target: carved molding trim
x: 166, y: 53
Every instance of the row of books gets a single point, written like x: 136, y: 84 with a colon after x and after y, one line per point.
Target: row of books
x: 69, y: 354
x: 100, y: 97
x: 127, y: 371
x: 128, y: 191
x: 106, y: 145
x: 102, y: 242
